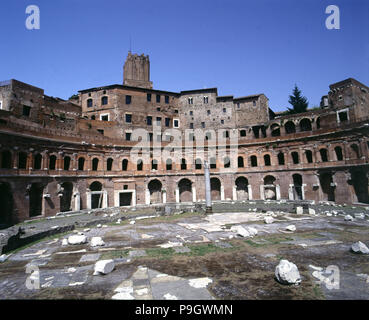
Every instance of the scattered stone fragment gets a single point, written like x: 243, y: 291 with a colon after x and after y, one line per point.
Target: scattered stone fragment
x: 349, y: 218
x: 77, y: 239
x: 132, y: 222
x: 268, y: 220
x: 359, y: 247
x: 287, y: 273
x: 64, y: 242
x: 299, y: 210
x: 97, y: 242
x: 104, y: 267
x: 168, y: 296
x: 98, y: 226
x: 119, y: 221
x: 291, y: 228
x: 3, y: 257
x: 86, y: 230
x: 252, y: 231
x: 312, y: 211
x: 359, y: 215
x: 241, y: 231
x: 71, y: 270
x: 199, y: 282
x: 170, y: 244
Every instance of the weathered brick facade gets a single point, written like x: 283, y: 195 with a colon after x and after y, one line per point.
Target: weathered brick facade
x: 61, y: 155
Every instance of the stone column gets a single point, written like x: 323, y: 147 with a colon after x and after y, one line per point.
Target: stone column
x: 249, y: 191
x: 278, y: 192
x: 88, y: 199
x: 177, y: 194
x: 193, y: 193
x: 221, y: 192
x: 164, y: 196
x: 105, y: 199
x: 290, y: 192
x: 77, y: 201
x: 234, y: 193
x: 147, y: 196
x: 262, y: 196
x: 207, y: 188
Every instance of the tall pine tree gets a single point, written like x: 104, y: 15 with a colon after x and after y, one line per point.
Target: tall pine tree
x: 298, y: 102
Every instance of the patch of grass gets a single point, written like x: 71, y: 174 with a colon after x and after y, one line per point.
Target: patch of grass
x: 170, y: 218
x: 115, y: 254
x: 254, y: 244
x: 161, y: 253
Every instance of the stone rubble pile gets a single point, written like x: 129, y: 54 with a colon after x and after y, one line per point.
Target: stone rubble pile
x: 287, y: 273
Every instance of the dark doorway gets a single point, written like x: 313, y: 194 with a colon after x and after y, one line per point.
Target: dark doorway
x: 215, y: 189
x: 35, y: 199
x: 185, y: 190
x: 360, y: 183
x: 155, y: 191
x: 242, y: 188
x: 125, y: 199
x: 66, y: 198
x: 328, y: 189
x: 297, y: 187
x: 6, y: 201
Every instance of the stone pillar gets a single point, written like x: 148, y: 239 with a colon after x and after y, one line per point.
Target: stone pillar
x: 303, y: 191
x: 193, y: 193
x: 249, y: 190
x: 207, y: 187
x: 234, y: 193
x: 88, y: 199
x: 164, y: 196
x: 177, y: 194
x: 77, y: 201
x: 221, y: 192
x: 105, y: 199
x: 262, y: 196
x: 278, y: 192
x: 290, y: 192
x: 134, y: 201
x: 147, y: 196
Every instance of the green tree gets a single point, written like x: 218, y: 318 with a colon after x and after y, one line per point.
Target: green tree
x: 299, y: 103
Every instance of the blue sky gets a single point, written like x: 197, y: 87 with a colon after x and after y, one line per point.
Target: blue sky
x: 242, y: 47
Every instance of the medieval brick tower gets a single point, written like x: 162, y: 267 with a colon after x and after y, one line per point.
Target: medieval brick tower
x: 136, y: 71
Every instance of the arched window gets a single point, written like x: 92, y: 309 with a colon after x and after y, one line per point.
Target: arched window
x: 290, y: 127
x: 254, y: 161
x: 240, y: 162
x: 124, y: 165
x: 281, y: 159
x: 66, y: 163
x: 309, y: 156
x: 339, y: 154
x: 295, y: 157
x: 109, y: 164
x: 22, y: 160
x: 305, y: 125
x: 183, y: 164
x: 323, y: 155
x: 139, y: 165
x: 276, y: 131
x: 6, y: 159
x: 89, y: 103
x: 318, y: 123
x: 52, y: 162
x: 104, y: 100
x: 81, y: 163
x: 227, y: 162
x: 267, y: 160
x: 95, y: 164
x: 169, y: 164
x: 198, y: 164
x: 37, y: 162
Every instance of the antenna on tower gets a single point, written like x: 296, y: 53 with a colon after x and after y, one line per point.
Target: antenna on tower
x: 130, y: 44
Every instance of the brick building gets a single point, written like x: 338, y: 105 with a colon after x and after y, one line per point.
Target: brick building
x: 129, y: 144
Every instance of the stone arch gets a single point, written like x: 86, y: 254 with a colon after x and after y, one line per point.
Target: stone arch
x: 295, y: 157
x: 66, y: 194
x: 96, y: 194
x: 267, y: 160
x: 95, y: 164
x: 155, y: 188
x: 185, y: 190
x: 253, y: 161
x: 37, y: 161
x: 22, y: 160
x: 7, y: 204
x: 242, y: 190
x: 270, y: 188
x: 81, y: 163
x: 309, y: 156
x: 240, y: 162
x: 290, y: 127
x: 124, y: 164
x: 305, y: 124
x: 52, y: 162
x: 109, y: 164
x: 297, y: 186
x: 339, y: 153
x: 281, y: 161
x: 215, y: 187
x: 323, y: 154
x: 275, y: 130
x: 66, y: 163
x: 6, y: 159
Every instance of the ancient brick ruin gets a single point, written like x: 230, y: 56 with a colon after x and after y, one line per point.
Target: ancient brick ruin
x: 58, y: 155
